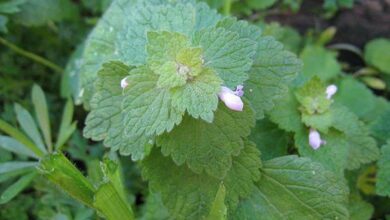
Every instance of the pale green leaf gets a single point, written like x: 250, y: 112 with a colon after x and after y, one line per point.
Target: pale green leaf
x: 121, y: 33
x: 105, y: 121
x: 295, y: 188
x: 198, y: 96
x: 226, y: 53
x: 243, y: 28
x: 42, y: 113
x: 29, y: 126
x: 12, y: 145
x: 147, y: 108
x: 154, y: 208
x: 205, y: 146
x: 272, y: 69
x: 7, y: 167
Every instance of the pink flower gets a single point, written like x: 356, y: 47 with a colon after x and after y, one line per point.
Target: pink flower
x: 330, y: 91
x: 231, y: 98
x: 315, y: 140
x: 124, y: 83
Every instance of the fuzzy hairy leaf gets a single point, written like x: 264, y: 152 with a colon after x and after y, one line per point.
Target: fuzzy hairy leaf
x: 188, y: 195
x: 199, y: 96
x: 272, y: 69
x: 121, y: 33
x: 105, y: 121
x: 333, y: 155
x: 295, y: 188
x: 205, y: 146
x: 383, y: 175
x: 147, y: 109
x: 285, y: 113
x: 362, y: 147
x: 225, y: 52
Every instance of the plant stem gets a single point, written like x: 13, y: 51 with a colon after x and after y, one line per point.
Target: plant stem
x: 31, y: 56
x: 227, y: 7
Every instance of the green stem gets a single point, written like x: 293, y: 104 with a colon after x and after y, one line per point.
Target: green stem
x: 31, y: 56
x: 227, y: 7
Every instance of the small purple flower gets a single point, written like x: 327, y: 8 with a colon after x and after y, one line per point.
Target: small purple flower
x: 124, y: 83
x: 231, y: 99
x: 315, y: 140
x: 330, y: 91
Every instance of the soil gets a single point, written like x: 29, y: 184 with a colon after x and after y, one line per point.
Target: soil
x: 368, y: 19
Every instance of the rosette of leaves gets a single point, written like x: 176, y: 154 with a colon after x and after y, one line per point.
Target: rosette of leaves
x: 172, y: 57
x: 348, y: 141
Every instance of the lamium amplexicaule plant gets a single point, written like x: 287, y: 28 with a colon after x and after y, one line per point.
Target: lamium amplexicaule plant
x: 200, y: 102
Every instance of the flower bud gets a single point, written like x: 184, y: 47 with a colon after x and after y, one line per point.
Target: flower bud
x: 231, y: 100
x: 315, y: 140
x: 330, y: 91
x: 124, y: 83
x: 239, y: 90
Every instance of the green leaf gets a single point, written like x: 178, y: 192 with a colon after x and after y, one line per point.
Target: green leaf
x: 42, y: 114
x: 188, y: 195
x: 19, y: 136
x: 333, y: 155
x: 380, y: 128
x: 55, y: 10
x: 29, y: 126
x: 105, y: 121
x: 121, y: 33
x: 16, y: 188
x: 199, y: 96
x: 319, y: 62
x: 359, y: 209
x: 205, y: 146
x: 163, y: 47
x: 272, y: 69
x: 362, y: 147
x: 147, y: 108
x: 66, y: 127
x: 269, y: 139
x: 290, y: 37
x: 60, y: 171
x: 295, y: 188
x: 357, y: 97
x: 111, y: 204
x: 383, y: 174
x: 376, y: 53
x: 218, y: 209
x: 226, y: 53
x: 12, y: 145
x: 8, y: 167
x: 286, y: 114
x: 243, y: 28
